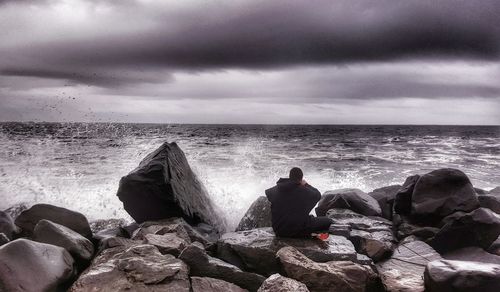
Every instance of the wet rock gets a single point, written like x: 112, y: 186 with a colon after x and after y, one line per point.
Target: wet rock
x: 3, y: 239
x: 27, y: 265
x: 490, y: 202
x: 15, y: 210
x: 402, y: 201
x: 329, y: 276
x: 136, y: 268
x: 385, y: 197
x: 352, y: 199
x: 495, y: 247
x: 377, y: 245
x: 464, y: 276
x: 202, y: 264
x: 441, y: 192
x: 111, y: 242
x: 164, y: 186
x: 278, y: 283
x: 473, y: 254
x: 258, y: 215
x: 78, y: 246
x: 108, y: 233
x: 103, y: 224
x: 495, y: 191
x: 255, y: 250
x: 480, y: 191
x: 7, y: 226
x: 129, y: 229
x: 75, y: 221
x: 480, y: 227
x: 345, y: 217
x: 404, y: 270
x: 168, y: 243
x: 205, y: 284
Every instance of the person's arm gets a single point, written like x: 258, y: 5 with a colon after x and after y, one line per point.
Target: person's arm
x: 311, y: 195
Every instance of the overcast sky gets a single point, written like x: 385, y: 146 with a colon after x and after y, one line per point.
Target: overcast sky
x: 251, y: 61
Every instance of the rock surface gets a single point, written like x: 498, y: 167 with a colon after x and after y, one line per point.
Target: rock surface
x: 205, y: 284
x: 353, y: 199
x: 402, y: 201
x: 164, y: 186
x: 134, y: 268
x: 490, y: 202
x: 278, y: 283
x: 495, y: 247
x: 463, y: 276
x: 75, y: 221
x: 27, y: 266
x: 385, y: 197
x: 52, y: 233
x: 7, y: 226
x: 16, y: 209
x: 201, y: 264
x: 168, y: 243
x: 258, y: 215
x: 3, y: 239
x: 329, y: 276
x: 473, y: 254
x: 404, y: 270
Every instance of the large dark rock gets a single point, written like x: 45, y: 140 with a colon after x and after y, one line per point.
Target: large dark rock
x: 404, y: 270
x: 164, y: 186
x: 255, y: 250
x: 491, y: 202
x: 472, y: 254
x: 442, y: 192
x: 494, y: 248
x: 75, y: 221
x: 353, y: 199
x: 78, y: 246
x: 480, y: 227
x: 258, y: 215
x: 461, y: 276
x: 201, y: 264
x: 330, y: 276
x: 205, y: 284
x: 27, y: 266
x: 402, y: 201
x: 385, y: 197
x: 7, y: 225
x: 278, y: 283
x: 138, y: 267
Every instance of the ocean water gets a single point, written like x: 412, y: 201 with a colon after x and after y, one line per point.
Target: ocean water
x: 78, y: 165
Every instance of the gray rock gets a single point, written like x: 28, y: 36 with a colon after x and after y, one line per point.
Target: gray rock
x: 108, y: 233
x: 402, y: 201
x: 168, y: 243
x: 463, y: 276
x: 3, y: 239
x: 111, y: 242
x: 385, y: 197
x: 278, y: 283
x: 205, y: 284
x: 495, y: 191
x: 201, y: 264
x: 345, y: 217
x: 495, y: 247
x: 490, y: 202
x: 15, y: 210
x: 134, y: 268
x: 473, y: 254
x: 480, y: 191
x: 404, y: 270
x: 27, y: 266
x: 258, y: 215
x: 480, y: 227
x: 103, y: 224
x: 376, y: 245
x: 164, y: 186
x: 353, y: 199
x: 7, y: 226
x: 75, y: 221
x: 441, y: 192
x: 329, y: 276
x: 255, y: 250
x: 78, y: 246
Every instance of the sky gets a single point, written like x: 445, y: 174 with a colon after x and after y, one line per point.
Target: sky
x: 251, y: 61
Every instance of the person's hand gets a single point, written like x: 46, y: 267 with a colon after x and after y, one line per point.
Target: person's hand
x: 303, y: 182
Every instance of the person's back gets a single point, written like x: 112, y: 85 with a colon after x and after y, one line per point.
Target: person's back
x: 292, y: 199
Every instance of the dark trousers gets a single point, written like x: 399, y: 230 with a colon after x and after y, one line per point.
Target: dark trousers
x: 316, y: 225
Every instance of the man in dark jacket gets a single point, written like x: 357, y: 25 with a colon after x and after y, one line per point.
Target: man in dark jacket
x: 292, y: 199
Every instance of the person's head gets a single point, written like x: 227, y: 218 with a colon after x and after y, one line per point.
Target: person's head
x: 296, y: 174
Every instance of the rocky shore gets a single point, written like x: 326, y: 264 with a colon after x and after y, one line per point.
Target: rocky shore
x: 435, y: 232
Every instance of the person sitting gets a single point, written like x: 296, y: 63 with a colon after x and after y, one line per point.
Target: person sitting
x: 292, y: 199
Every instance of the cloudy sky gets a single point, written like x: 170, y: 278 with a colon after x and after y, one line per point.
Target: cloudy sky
x: 251, y: 61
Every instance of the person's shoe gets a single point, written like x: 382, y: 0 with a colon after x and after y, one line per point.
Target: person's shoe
x: 323, y: 236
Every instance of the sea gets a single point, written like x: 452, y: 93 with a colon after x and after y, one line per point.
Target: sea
x: 79, y: 165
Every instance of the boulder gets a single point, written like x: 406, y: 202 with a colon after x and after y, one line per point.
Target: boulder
x: 258, y: 215
x: 27, y: 265
x: 495, y: 192
x: 164, y: 186
x: 201, y: 264
x: 278, y: 283
x: 103, y: 224
x: 75, y: 221
x: 205, y: 284
x: 7, y: 226
x: 472, y: 254
x: 16, y: 209
x: 385, y: 197
x: 255, y: 250
x: 353, y: 199
x: 495, y: 247
x: 442, y: 192
x: 402, y: 201
x: 134, y: 268
x: 404, y: 229
x: 490, y: 202
x: 168, y: 243
x: 78, y: 246
x: 3, y: 239
x: 480, y: 227
x: 377, y: 245
x: 404, y: 270
x: 329, y: 276
x: 463, y: 276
